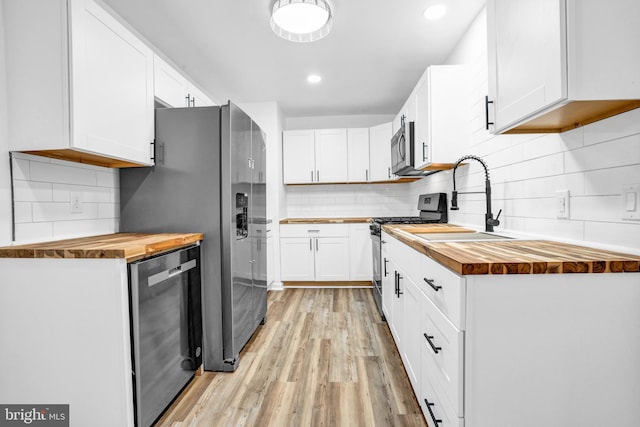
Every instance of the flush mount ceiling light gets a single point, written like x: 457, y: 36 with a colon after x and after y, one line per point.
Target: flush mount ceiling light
x: 301, y: 20
x: 434, y: 12
x: 314, y: 78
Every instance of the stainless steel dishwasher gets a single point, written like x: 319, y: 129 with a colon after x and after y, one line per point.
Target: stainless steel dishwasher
x: 166, y: 325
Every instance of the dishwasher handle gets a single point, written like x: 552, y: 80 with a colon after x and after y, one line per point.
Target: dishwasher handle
x: 169, y: 273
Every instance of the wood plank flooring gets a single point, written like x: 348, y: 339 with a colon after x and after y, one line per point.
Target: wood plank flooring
x: 323, y: 358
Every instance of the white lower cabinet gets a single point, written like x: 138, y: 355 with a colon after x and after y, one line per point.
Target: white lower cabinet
x: 314, y: 252
x: 325, y: 252
x: 517, y: 349
x: 360, y: 253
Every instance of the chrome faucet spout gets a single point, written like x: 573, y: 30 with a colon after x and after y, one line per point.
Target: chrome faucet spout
x: 490, y: 222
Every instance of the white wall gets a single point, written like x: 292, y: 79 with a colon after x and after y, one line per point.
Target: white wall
x: 42, y: 189
x: 5, y: 182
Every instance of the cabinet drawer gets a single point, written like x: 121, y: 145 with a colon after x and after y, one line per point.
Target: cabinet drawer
x: 314, y: 230
x: 446, y: 290
x: 444, y: 346
x: 437, y: 409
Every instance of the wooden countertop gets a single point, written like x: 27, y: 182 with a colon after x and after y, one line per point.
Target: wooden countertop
x: 513, y: 256
x: 130, y: 246
x: 334, y: 220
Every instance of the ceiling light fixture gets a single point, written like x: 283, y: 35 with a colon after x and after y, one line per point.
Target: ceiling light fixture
x: 434, y: 12
x: 314, y: 78
x: 301, y: 20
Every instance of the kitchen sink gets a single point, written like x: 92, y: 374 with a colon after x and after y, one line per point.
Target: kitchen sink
x: 461, y: 237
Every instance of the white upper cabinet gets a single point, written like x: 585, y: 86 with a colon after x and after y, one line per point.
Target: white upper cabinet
x: 380, y: 152
x: 358, y: 154
x: 441, y: 125
x: 197, y: 98
x: 170, y: 87
x: 173, y: 89
x: 558, y: 64
x: 80, y: 85
x: 298, y: 156
x: 331, y: 155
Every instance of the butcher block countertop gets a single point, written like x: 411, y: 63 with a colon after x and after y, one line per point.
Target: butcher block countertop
x: 512, y: 256
x: 333, y: 220
x: 130, y: 246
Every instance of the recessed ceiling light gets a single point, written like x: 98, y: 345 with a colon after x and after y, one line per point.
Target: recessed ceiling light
x: 314, y: 78
x: 434, y: 12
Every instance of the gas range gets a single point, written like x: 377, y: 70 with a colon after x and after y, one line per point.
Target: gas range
x: 433, y: 209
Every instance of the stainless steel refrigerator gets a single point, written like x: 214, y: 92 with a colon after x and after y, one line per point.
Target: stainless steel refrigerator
x: 209, y: 177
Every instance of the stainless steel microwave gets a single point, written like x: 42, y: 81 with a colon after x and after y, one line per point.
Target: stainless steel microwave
x: 402, y: 158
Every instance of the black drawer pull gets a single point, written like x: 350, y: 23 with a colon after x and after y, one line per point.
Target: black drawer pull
x: 435, y: 349
x: 433, y: 417
x: 399, y: 291
x: 431, y: 283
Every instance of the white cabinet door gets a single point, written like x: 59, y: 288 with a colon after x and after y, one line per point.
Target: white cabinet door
x: 412, y: 300
x: 358, y: 154
x: 527, y: 57
x: 298, y: 156
x: 170, y: 87
x: 397, y: 306
x: 360, y: 252
x: 332, y: 258
x: 112, y: 86
x: 380, y: 152
x: 297, y: 259
x: 331, y: 155
x: 441, y: 125
x: 197, y: 98
x: 388, y: 281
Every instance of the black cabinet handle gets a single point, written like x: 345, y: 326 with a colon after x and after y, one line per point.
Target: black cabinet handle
x: 395, y: 283
x: 399, y: 291
x: 435, y: 349
x: 431, y: 283
x: 486, y: 112
x: 385, y: 267
x: 424, y: 147
x: 433, y: 417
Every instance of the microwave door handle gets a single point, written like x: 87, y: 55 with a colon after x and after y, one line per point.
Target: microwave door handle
x: 402, y: 149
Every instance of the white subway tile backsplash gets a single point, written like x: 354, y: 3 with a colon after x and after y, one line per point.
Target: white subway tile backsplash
x: 597, y: 208
x: 22, y: 212
x: 619, y: 152
x: 33, y: 232
x: 28, y: 191
x: 540, y: 167
x: 69, y: 229
x: 61, y: 211
x: 615, y: 127
x: 42, y: 207
x: 108, y: 210
x: 618, y: 234
x: 63, y: 174
x: 20, y: 168
x: 610, y: 181
x: 547, y: 186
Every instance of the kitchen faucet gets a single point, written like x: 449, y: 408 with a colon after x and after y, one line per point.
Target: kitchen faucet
x: 490, y: 222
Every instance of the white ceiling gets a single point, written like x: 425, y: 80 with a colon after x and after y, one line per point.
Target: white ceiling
x: 369, y: 63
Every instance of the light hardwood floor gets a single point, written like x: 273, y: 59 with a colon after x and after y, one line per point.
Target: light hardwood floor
x: 323, y: 358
